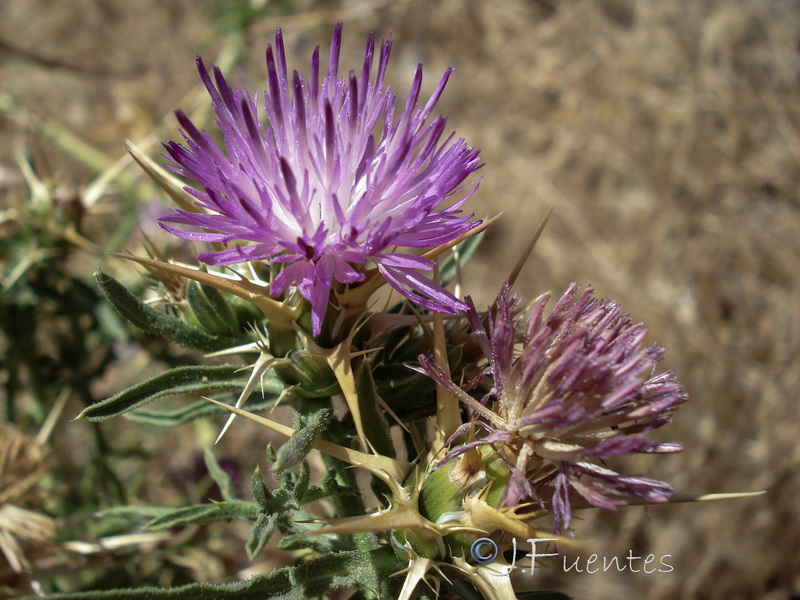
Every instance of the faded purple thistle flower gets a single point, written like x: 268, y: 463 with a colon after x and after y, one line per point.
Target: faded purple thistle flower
x: 567, y: 392
x: 326, y: 178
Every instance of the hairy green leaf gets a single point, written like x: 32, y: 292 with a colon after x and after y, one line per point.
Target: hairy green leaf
x: 301, y: 484
x: 370, y: 572
x: 302, y: 441
x: 260, y: 491
x: 260, y: 533
x: 205, y: 513
x: 194, y: 379
x: 137, y: 514
x: 211, y: 309
x: 156, y: 322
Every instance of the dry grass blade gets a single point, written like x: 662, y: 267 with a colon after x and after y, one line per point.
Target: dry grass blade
x: 22, y: 464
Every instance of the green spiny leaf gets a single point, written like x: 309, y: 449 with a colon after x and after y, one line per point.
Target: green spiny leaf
x: 137, y: 514
x: 368, y: 570
x: 320, y: 545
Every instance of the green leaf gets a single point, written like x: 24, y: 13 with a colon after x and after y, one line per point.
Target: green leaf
x: 376, y: 428
x: 156, y: 322
x: 302, y: 441
x: 260, y: 491
x: 163, y: 517
x: 211, y: 310
x: 311, y: 374
x: 137, y: 514
x: 321, y: 545
x: 411, y: 395
x: 205, y: 513
x: 219, y: 476
x: 368, y: 571
x: 301, y: 484
x: 450, y: 266
x: 260, y: 533
x: 200, y: 408
x: 194, y: 379
x: 330, y: 487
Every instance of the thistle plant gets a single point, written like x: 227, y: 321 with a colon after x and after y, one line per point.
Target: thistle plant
x: 469, y: 425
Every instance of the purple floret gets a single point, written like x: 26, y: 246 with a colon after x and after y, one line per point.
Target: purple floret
x: 566, y: 392
x: 325, y: 178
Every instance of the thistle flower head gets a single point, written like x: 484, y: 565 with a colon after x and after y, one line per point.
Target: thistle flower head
x: 568, y: 391
x: 324, y: 176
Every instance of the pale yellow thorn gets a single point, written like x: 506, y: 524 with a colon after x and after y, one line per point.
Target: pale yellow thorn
x: 165, y: 180
x: 416, y: 571
x: 448, y: 414
x: 474, y: 231
x: 391, y: 471
x: 261, y: 366
x: 526, y: 254
x: 677, y: 498
x: 484, y: 517
x: 492, y: 580
x: 403, y: 517
x: 257, y: 295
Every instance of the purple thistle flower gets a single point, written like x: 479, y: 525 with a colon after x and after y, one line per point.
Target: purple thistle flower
x: 567, y: 392
x: 326, y: 178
